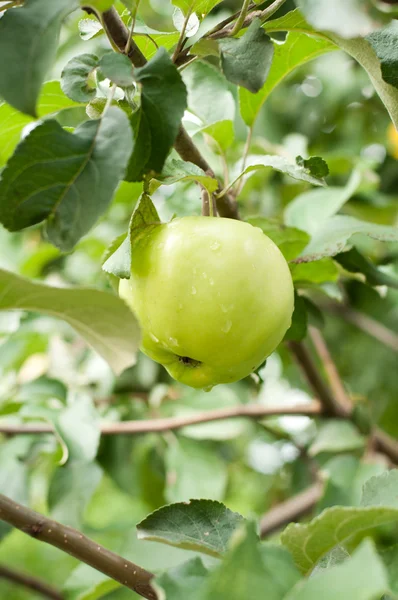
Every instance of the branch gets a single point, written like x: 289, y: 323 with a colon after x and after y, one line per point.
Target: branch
x: 315, y: 381
x: 119, y: 34
x: 78, y: 545
x: 367, y: 324
x: 332, y: 373
x: 30, y: 582
x: 334, y: 404
x: 263, y: 15
x: 253, y: 411
x: 290, y: 510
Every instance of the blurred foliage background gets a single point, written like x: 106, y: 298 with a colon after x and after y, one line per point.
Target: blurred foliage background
x: 326, y: 108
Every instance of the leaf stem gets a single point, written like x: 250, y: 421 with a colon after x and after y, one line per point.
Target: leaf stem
x: 8, y: 5
x: 78, y: 545
x: 241, y: 19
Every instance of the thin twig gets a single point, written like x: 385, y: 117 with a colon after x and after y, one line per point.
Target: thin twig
x: 205, y: 203
x: 227, y: 21
x: 133, y: 20
x: 241, y: 19
x: 290, y: 510
x: 30, y: 582
x: 8, y: 5
x: 316, y: 382
x: 251, y: 411
x: 262, y: 15
x: 333, y: 405
x: 118, y: 33
x: 367, y: 324
x: 182, y: 39
x: 78, y: 545
x: 331, y: 371
x: 244, y: 160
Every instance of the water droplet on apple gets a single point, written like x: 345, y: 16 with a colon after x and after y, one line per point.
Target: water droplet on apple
x: 193, y: 290
x: 154, y: 338
x: 204, y: 275
x: 173, y: 341
x: 227, y: 326
x: 215, y: 246
x: 194, y: 270
x: 180, y: 307
x: 208, y: 388
x: 211, y: 281
x: 224, y: 308
x: 254, y: 267
x: 160, y: 245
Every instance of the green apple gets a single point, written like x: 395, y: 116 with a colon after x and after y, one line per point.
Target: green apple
x: 214, y: 297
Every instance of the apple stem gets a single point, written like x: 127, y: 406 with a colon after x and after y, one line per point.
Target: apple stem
x: 208, y: 204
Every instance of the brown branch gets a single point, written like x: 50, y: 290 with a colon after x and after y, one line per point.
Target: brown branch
x: 334, y: 404
x: 78, y: 545
x: 263, y: 15
x: 290, y: 510
x: 30, y: 582
x: 332, y: 373
x: 119, y: 34
x: 316, y: 382
x: 367, y: 324
x: 252, y: 411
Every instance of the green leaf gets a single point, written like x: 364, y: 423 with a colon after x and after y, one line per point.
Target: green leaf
x: 63, y: 178
x: 29, y: 39
x: 247, y: 570
x: 348, y: 18
x: 102, y: 319
x: 78, y: 426
x: 201, y: 7
x: 298, y: 329
x: 118, y: 262
x: 384, y: 43
x: 205, y: 47
x: 298, y: 49
x: 71, y: 489
x: 389, y: 556
x: 290, y: 241
x: 75, y: 78
x: 334, y: 526
x: 12, y: 122
x: 336, y: 436
x: 176, y: 170
x: 89, y: 28
x: 310, y: 210
x: 364, y: 53
x: 192, y: 25
x: 85, y: 583
x: 202, y: 525
x: 142, y: 147
x: 118, y: 68
x: 279, y: 163
x: 144, y: 215
x: 318, y: 271
x: 355, y: 262
x: 209, y: 97
x: 246, y: 61
x: 315, y: 165
x: 194, y: 471
x: 362, y: 577
x: 381, y: 490
x: 185, y: 581
x: 335, y: 234
x: 163, y: 101
x: 222, y: 132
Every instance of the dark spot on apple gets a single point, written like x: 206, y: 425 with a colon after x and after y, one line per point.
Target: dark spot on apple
x: 186, y: 360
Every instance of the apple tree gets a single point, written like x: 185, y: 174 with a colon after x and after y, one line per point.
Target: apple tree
x: 198, y: 299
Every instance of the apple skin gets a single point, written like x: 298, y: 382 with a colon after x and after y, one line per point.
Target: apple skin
x: 214, y: 297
